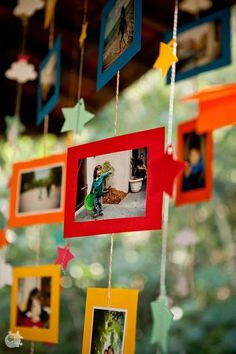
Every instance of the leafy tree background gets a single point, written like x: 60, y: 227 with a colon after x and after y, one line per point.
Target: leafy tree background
x: 200, y: 279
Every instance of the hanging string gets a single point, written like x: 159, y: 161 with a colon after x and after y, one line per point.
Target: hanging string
x: 112, y: 235
x: 166, y: 201
x: 81, y: 64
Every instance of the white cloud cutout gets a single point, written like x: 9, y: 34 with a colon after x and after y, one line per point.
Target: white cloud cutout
x: 21, y: 71
x: 194, y: 7
x: 27, y: 7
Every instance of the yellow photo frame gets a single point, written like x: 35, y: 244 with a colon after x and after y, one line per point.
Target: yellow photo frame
x: 35, y: 303
x: 123, y: 307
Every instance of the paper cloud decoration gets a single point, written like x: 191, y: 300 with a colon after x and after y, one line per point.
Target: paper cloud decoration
x: 27, y: 7
x: 186, y: 237
x: 194, y: 7
x: 21, y: 71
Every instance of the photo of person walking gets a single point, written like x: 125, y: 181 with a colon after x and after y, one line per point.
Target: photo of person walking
x: 97, y: 189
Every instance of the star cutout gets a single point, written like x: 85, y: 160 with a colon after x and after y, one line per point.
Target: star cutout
x: 13, y: 340
x: 166, y: 57
x: 3, y: 240
x: 64, y: 256
x: 49, y: 12
x: 167, y: 170
x: 162, y: 317
x: 83, y: 34
x: 14, y: 128
x: 76, y: 117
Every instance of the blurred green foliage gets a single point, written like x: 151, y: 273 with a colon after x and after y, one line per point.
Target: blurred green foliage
x: 201, y: 279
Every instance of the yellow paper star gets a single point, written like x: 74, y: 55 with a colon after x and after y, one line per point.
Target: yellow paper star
x: 83, y: 34
x: 166, y: 57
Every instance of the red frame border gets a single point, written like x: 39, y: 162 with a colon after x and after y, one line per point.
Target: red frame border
x: 152, y: 139
x: 201, y: 194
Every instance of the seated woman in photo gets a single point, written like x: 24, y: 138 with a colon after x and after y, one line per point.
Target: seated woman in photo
x: 34, y: 315
x: 140, y: 167
x: 194, y: 176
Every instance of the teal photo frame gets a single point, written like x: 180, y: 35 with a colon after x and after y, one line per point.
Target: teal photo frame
x: 46, y: 104
x: 112, y: 56
x: 195, y: 61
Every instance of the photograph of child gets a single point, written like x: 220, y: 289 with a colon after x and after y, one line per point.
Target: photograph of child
x: 108, y: 331
x: 119, y: 31
x: 34, y: 302
x: 40, y: 190
x: 194, y: 151
x: 115, y: 185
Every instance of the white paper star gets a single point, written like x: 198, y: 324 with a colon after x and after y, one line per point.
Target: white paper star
x: 27, y: 7
x: 21, y: 71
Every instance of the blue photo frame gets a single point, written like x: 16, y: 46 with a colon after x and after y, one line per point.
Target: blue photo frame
x: 219, y: 25
x: 46, y: 104
x: 133, y: 30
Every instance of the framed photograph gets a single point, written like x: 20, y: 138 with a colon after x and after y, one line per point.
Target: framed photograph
x: 195, y: 183
x: 110, y: 329
x: 38, y: 191
x: 120, y: 37
x: 203, y: 45
x: 108, y: 185
x: 35, y: 302
x: 49, y: 82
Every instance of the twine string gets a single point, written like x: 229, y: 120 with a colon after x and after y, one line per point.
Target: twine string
x: 112, y: 235
x: 81, y: 65
x: 166, y: 201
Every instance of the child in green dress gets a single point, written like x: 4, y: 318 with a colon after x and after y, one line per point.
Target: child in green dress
x: 97, y: 189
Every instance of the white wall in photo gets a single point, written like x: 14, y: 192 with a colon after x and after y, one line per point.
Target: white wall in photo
x: 122, y: 169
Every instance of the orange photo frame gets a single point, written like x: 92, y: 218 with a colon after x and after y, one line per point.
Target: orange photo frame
x: 28, y: 209
x: 194, y: 184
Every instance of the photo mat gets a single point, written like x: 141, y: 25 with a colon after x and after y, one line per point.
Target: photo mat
x: 195, y: 183
x: 203, y: 45
x: 38, y: 191
x: 49, y: 82
x: 123, y: 200
x: 103, y: 332
x: 35, y: 303
x: 120, y: 37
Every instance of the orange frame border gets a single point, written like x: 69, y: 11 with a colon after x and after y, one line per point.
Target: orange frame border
x: 201, y: 194
x: 48, y: 335
x: 16, y: 220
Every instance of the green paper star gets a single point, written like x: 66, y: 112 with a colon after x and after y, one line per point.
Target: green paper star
x: 162, y: 317
x: 76, y: 117
x: 14, y: 128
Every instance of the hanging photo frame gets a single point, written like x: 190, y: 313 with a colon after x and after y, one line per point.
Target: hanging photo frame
x: 194, y: 184
x: 203, y: 45
x: 108, y: 185
x: 49, y: 82
x: 115, y: 324
x: 120, y: 37
x: 38, y: 191
x: 35, y: 300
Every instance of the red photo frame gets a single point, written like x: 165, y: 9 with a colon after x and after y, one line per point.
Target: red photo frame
x: 202, y: 188
x: 153, y: 141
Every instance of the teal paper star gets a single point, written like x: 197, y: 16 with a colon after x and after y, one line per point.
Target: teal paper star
x: 14, y: 128
x: 162, y: 317
x: 76, y: 117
